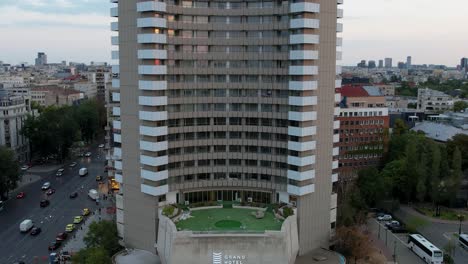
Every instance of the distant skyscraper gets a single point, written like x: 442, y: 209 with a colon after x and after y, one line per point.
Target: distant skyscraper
x: 381, y: 64
x: 401, y: 65
x: 388, y: 63
x: 362, y: 64
x: 464, y: 63
x: 372, y: 64
x: 41, y: 59
x: 408, y: 62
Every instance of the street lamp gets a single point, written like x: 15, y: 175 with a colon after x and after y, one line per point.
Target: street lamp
x: 460, y: 218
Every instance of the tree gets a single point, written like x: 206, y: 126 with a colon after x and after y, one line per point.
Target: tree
x: 411, y: 170
x: 92, y: 256
x: 103, y: 234
x: 9, y: 171
x: 400, y: 127
x: 460, y: 106
x: 352, y: 242
x: 455, y: 176
x: 460, y: 141
x: 371, y: 186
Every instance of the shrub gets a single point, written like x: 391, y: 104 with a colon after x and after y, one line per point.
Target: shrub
x: 287, y: 211
x: 168, y: 210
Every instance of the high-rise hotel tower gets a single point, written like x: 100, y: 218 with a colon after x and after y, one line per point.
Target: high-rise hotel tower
x: 226, y: 100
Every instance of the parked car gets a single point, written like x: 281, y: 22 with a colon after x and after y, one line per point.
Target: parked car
x: 101, y: 146
x: 44, y: 203
x: 77, y: 219
x: 55, y: 245
x: 50, y: 191
x: 61, y: 170
x: 88, y: 154
x: 61, y: 236
x: 73, y: 195
x: 384, y: 217
x: 83, y: 172
x: 58, y: 174
x: 73, y: 164
x: 397, y: 229
x: 392, y: 223
x: 35, y: 231
x: 99, y: 178
x: 25, y: 168
x: 65, y: 255
x: 45, y: 186
x: 26, y: 225
x: 69, y: 228
x: 85, y: 212
x: 20, y: 195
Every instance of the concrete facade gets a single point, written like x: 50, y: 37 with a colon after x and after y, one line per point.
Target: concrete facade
x: 226, y: 101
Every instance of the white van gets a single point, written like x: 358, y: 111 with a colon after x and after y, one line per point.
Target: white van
x: 83, y: 172
x: 93, y: 194
x: 26, y: 225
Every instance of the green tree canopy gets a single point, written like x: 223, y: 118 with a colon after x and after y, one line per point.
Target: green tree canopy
x: 103, y: 234
x: 459, y: 106
x: 9, y: 171
x: 92, y: 256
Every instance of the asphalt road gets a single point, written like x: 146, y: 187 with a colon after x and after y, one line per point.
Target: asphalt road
x: 439, y: 235
x: 52, y: 219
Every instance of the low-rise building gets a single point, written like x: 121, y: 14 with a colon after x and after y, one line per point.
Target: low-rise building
x: 54, y: 95
x: 89, y: 89
x: 364, y: 123
x: 433, y: 101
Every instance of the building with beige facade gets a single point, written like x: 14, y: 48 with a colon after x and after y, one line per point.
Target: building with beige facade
x: 55, y: 95
x: 225, y: 101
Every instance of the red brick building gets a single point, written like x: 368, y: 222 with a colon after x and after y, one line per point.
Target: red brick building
x: 364, y: 124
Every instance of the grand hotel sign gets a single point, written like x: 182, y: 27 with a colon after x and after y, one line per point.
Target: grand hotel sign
x: 220, y: 258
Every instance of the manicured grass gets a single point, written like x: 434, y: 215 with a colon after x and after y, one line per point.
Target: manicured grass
x: 229, y: 219
x: 445, y: 214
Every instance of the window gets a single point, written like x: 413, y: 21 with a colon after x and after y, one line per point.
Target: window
x: 219, y: 162
x: 235, y: 148
x: 235, y: 162
x: 235, y: 135
x: 235, y: 121
x: 220, y: 148
x: 219, y: 175
x: 204, y: 162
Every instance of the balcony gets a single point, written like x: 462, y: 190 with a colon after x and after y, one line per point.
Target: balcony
x: 338, y: 83
x: 119, y: 201
x: 153, y: 131
x: 118, y: 178
x: 339, y: 55
x: 302, y: 131
x: 151, y: 38
x: 114, y: 12
x: 114, y: 26
x: 335, y: 164
x: 115, y: 68
x: 339, y: 27
x: 334, y: 177
x: 117, y: 153
x: 301, y: 176
x: 339, y: 70
x: 117, y: 138
x: 336, y: 124
x: 152, y: 100
x: 336, y: 111
x: 304, y: 23
x: 304, y: 39
x: 156, y: 22
x: 303, y: 70
x: 154, y: 176
x: 115, y: 83
x: 303, y: 100
x: 154, y: 161
x: 118, y: 165
x: 152, y: 69
x: 152, y: 54
x: 116, y: 111
x: 301, y: 161
x: 153, y: 116
x: 340, y: 13
x: 152, y: 85
x: 153, y: 146
x: 305, y: 7
x: 117, y: 124
x: 151, y: 6
x: 303, y: 86
x: 115, y: 40
x: 153, y: 190
x: 337, y: 97
x: 302, y: 116
x: 115, y: 54
x: 333, y: 215
x: 302, y: 146
x: 116, y: 97
x: 303, y: 55
x: 336, y: 138
x: 300, y: 191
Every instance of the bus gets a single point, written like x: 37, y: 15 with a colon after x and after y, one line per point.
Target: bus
x: 463, y: 240
x: 425, y: 249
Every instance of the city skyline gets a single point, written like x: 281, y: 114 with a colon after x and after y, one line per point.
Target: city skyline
x: 373, y: 30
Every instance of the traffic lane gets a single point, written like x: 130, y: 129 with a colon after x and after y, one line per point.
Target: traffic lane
x: 435, y: 232
x: 396, y: 243
x: 53, y: 218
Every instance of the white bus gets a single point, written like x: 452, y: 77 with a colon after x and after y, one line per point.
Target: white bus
x: 463, y: 240
x: 425, y: 249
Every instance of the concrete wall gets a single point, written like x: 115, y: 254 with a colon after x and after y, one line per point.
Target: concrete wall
x: 271, y: 247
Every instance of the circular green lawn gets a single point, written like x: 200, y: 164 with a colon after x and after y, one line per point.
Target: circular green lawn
x: 228, y: 224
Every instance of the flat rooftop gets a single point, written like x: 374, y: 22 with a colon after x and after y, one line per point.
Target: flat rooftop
x: 229, y: 219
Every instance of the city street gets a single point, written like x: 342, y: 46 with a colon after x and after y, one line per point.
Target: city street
x: 51, y: 219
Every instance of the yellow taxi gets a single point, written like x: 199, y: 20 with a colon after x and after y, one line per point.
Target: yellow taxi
x: 77, y: 219
x: 85, y: 212
x: 70, y: 228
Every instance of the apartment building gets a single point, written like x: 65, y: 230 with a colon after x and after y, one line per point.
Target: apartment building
x: 364, y: 124
x: 433, y: 101
x: 55, y: 95
x: 226, y: 101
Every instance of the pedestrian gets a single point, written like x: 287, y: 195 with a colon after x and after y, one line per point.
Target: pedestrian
x: 99, y: 218
x: 81, y: 227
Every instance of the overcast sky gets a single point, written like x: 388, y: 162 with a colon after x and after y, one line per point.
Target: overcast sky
x: 431, y: 31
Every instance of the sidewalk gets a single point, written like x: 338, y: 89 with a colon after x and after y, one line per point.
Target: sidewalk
x: 411, y: 211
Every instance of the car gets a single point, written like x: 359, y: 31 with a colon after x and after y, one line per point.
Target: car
x: 99, y: 178
x: 384, y: 217
x: 50, y: 191
x: 61, y: 236
x: 25, y: 168
x: 73, y: 195
x: 65, y: 255
x: 87, y: 154
x: 73, y: 164
x: 19, y: 262
x: 85, y: 212
x: 69, y: 228
x: 35, y: 231
x: 58, y: 174
x: 45, y: 186
x: 20, y: 195
x: 397, y: 229
x: 55, y: 245
x: 44, y: 203
x: 101, y: 146
x: 77, y: 219
x: 61, y: 170
x: 392, y: 223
